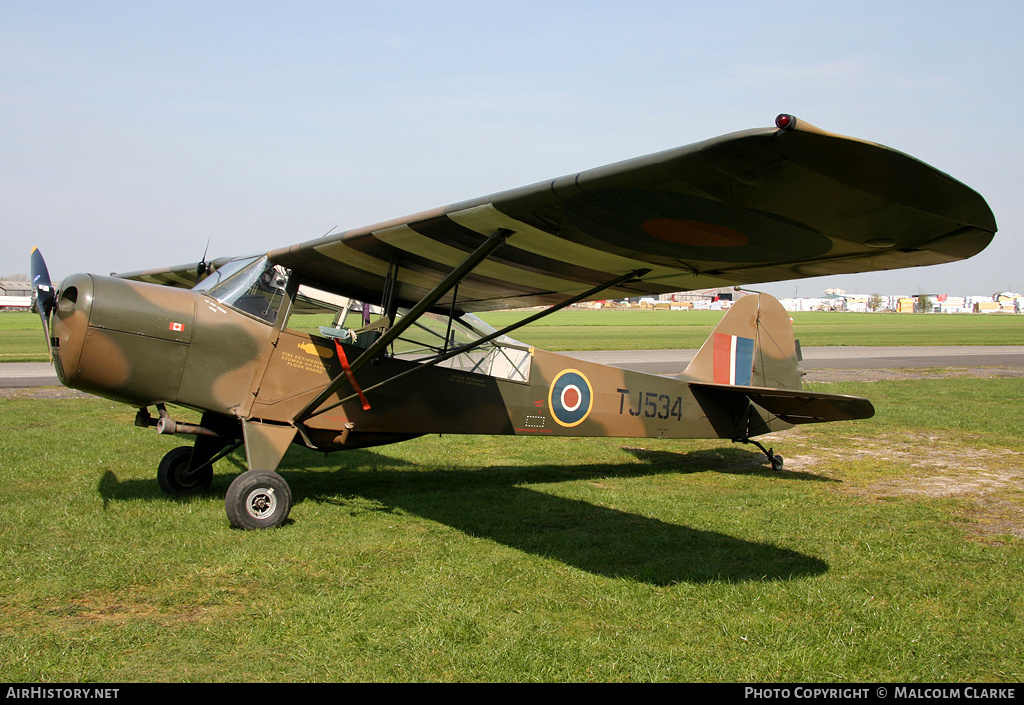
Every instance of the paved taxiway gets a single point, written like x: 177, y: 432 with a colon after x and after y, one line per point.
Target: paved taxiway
x: 40, y: 374
x: 845, y: 357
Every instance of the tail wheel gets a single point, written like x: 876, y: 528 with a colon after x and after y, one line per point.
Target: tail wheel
x: 174, y: 477
x: 258, y: 499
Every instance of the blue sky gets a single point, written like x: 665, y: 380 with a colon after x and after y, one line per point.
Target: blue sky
x: 133, y: 132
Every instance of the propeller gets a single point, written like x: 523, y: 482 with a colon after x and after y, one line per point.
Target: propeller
x: 43, y: 293
x: 203, y: 268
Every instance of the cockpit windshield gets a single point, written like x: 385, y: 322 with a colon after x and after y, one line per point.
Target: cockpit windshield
x: 253, y: 285
x: 256, y: 286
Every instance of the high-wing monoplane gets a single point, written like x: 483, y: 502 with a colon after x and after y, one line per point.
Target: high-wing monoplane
x: 370, y: 336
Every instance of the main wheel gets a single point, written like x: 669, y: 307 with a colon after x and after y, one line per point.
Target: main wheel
x: 258, y: 499
x: 777, y: 462
x: 174, y: 477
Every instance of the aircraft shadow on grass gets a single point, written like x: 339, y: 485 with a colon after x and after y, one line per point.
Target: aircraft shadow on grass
x: 494, y: 503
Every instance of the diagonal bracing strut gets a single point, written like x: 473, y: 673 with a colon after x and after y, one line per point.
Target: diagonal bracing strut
x: 312, y: 410
x: 380, y: 345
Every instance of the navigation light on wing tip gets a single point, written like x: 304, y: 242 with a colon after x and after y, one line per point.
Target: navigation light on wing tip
x: 785, y: 122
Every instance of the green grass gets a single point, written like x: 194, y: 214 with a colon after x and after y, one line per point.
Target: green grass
x: 650, y: 330
x: 889, y: 550
x: 21, y: 338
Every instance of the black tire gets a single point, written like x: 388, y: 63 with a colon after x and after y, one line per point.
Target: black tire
x: 777, y: 462
x: 258, y: 499
x: 174, y: 477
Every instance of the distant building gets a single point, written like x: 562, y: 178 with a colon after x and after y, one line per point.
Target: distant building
x: 837, y: 300
x: 831, y: 300
x: 15, y: 288
x: 15, y: 295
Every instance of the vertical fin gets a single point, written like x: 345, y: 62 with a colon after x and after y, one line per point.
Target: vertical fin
x: 752, y: 346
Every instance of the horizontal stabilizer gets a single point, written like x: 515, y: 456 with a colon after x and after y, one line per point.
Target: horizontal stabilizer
x: 794, y: 406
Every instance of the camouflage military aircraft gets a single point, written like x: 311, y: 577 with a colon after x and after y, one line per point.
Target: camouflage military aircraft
x: 368, y: 337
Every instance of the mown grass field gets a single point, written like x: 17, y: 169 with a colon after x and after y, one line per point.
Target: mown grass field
x: 21, y: 338
x: 889, y: 550
x: 652, y: 330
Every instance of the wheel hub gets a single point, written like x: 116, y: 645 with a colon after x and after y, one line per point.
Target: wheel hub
x: 261, y: 502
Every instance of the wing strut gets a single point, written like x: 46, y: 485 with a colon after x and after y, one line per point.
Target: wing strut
x: 311, y: 410
x: 380, y: 345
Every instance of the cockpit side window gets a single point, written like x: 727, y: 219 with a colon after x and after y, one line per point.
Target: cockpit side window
x: 432, y: 335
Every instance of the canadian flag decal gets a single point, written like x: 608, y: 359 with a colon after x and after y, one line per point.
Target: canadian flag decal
x: 177, y: 327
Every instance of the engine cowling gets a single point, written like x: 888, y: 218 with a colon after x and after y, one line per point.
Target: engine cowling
x: 121, y: 339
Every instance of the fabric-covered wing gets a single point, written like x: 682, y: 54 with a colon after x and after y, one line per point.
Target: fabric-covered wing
x: 751, y: 207
x: 182, y: 276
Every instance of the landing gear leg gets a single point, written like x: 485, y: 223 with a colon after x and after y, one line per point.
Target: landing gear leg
x: 750, y: 424
x: 189, y: 469
x: 775, y: 460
